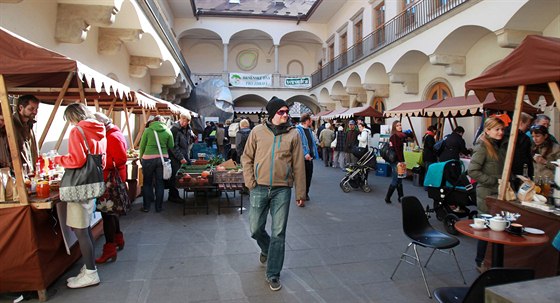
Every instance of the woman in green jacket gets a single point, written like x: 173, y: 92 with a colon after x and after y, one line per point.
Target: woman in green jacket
x: 486, y: 168
x: 151, y: 161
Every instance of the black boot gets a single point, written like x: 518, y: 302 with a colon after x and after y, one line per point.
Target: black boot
x: 389, y: 193
x: 400, y: 191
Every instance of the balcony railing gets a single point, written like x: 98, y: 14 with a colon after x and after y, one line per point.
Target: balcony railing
x: 409, y: 20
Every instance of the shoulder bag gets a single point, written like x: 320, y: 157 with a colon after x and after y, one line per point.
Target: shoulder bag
x: 115, y: 200
x: 165, y: 163
x: 86, y: 182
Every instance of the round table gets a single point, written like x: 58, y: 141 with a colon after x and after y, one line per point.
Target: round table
x: 499, y: 239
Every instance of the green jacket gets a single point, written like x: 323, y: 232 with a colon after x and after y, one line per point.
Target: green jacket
x: 148, y: 144
x: 486, y: 171
x: 274, y: 160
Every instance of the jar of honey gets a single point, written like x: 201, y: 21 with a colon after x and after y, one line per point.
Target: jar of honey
x: 43, y: 189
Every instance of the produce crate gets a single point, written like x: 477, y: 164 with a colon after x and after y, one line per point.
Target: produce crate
x: 228, y: 176
x: 193, y: 182
x: 193, y: 168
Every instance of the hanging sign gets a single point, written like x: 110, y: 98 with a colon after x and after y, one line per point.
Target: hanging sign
x: 299, y: 82
x: 250, y: 80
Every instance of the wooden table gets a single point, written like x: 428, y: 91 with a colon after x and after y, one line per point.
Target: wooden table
x: 231, y: 187
x: 499, y: 239
x: 544, y: 259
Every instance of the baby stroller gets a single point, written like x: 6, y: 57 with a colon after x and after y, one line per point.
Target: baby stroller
x: 452, y: 192
x: 357, y: 175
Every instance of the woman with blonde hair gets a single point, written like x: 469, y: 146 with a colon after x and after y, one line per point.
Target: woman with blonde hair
x: 88, y: 131
x: 486, y: 168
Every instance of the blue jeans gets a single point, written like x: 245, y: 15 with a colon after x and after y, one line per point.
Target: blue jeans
x: 152, y: 170
x: 277, y: 200
x: 396, y: 180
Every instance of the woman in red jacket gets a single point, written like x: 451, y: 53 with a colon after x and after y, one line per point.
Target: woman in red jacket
x: 112, y: 205
x: 79, y: 213
x: 397, y: 142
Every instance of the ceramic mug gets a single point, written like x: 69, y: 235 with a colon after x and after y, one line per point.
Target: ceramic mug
x: 498, y: 224
x: 516, y: 229
x: 479, y: 222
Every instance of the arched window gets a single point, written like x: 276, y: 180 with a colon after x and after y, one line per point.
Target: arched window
x: 379, y: 104
x: 295, y: 67
x: 439, y: 91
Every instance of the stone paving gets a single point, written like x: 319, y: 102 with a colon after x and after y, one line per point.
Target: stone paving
x: 342, y: 247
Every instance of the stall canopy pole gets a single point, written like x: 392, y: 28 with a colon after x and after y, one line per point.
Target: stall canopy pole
x: 142, y: 127
x: 127, y: 121
x: 64, y: 129
x: 412, y: 127
x: 96, y: 102
x: 81, y: 90
x: 14, y: 149
x: 110, y: 110
x: 55, y: 109
x: 512, y: 141
x: 555, y: 92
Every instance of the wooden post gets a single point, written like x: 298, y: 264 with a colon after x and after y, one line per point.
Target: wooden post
x: 555, y: 92
x: 59, y: 142
x: 412, y: 128
x: 96, y: 102
x: 127, y: 123
x: 512, y: 141
x: 12, y: 143
x: 142, y: 127
x: 55, y: 109
x: 81, y: 89
x: 110, y: 111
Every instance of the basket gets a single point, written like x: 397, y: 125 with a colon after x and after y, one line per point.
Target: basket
x: 228, y: 176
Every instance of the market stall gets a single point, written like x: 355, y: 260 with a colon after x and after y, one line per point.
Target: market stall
x: 31, y: 242
x: 530, y: 71
x: 411, y: 109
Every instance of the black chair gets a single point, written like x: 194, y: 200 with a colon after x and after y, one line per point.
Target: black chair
x: 418, y: 229
x: 475, y: 293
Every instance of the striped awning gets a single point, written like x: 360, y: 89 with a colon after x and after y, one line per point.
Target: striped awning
x: 410, y: 108
x: 335, y: 113
x: 248, y: 110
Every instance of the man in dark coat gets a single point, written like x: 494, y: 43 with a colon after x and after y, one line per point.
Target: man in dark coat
x: 428, y: 154
x: 454, y: 145
x: 522, y: 152
x: 351, y: 141
x: 179, y: 155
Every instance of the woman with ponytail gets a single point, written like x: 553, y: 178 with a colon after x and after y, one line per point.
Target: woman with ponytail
x: 486, y: 166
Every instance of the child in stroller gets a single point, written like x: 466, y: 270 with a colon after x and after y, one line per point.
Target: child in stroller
x: 450, y: 188
x: 357, y: 175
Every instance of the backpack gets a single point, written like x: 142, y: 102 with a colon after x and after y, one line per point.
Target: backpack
x: 232, y: 130
x: 388, y: 153
x: 439, y: 146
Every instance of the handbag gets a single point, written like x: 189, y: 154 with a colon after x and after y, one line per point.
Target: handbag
x: 83, y: 183
x: 166, y: 163
x: 115, y: 200
x: 388, y: 153
x: 333, y: 144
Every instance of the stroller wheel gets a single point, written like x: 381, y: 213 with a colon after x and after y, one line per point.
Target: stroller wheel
x: 344, y: 185
x: 449, y: 223
x: 440, y: 211
x: 366, y: 188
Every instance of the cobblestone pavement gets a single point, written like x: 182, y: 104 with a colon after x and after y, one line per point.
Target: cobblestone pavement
x: 342, y: 247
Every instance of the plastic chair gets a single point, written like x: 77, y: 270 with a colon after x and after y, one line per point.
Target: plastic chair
x: 475, y: 293
x: 418, y: 229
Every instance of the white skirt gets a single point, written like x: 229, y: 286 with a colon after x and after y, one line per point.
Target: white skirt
x: 78, y: 214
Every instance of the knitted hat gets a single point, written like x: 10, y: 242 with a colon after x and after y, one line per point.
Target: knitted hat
x: 273, y: 106
x: 351, y: 122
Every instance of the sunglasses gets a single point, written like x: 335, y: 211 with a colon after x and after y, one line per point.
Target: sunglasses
x: 282, y: 112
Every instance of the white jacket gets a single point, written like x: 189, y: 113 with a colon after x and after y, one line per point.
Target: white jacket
x: 363, y: 138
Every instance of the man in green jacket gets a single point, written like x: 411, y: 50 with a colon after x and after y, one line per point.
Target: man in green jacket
x: 272, y: 162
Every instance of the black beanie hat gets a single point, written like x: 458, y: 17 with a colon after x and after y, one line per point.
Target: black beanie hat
x: 273, y: 106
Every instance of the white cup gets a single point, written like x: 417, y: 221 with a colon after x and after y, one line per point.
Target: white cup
x: 479, y: 223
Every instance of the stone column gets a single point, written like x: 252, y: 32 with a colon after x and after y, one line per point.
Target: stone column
x: 225, y: 57
x: 276, y: 64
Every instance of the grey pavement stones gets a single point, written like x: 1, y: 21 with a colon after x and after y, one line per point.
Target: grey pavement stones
x: 342, y: 247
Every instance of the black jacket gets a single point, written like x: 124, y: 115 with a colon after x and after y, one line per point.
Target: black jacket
x: 428, y: 153
x: 454, y: 145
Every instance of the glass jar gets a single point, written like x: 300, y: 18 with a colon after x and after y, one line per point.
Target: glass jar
x: 43, y: 189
